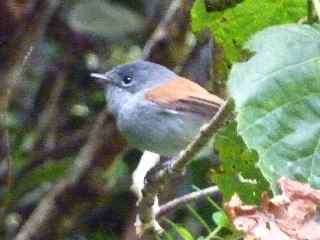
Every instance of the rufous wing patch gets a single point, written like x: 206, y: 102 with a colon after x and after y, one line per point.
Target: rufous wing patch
x: 185, y: 95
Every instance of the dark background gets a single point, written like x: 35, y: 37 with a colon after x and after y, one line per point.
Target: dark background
x: 70, y: 171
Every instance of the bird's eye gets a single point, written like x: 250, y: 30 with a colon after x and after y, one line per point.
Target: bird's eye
x: 126, y: 80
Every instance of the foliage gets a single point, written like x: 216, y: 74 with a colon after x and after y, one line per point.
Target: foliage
x: 237, y: 173
x: 56, y: 106
x: 221, y: 219
x: 276, y: 93
x: 278, y: 101
x: 182, y: 231
x: 218, y: 225
x: 234, y: 26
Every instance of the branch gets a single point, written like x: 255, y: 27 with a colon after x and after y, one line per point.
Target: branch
x: 47, y: 119
x: 101, y: 150
x: 190, y: 197
x: 147, y: 215
x: 65, y: 147
x: 167, y: 44
x: 5, y: 156
x: 21, y: 27
x: 201, y: 140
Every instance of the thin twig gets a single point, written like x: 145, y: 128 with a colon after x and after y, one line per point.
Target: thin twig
x: 183, y: 200
x: 5, y: 156
x: 66, y: 146
x: 214, y: 233
x: 147, y: 214
x: 15, y: 51
x: 170, y: 34
x: 73, y: 189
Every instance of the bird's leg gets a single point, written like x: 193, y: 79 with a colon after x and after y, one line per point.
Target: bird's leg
x: 148, y: 161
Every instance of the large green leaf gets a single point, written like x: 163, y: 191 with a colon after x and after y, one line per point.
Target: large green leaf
x: 234, y: 26
x: 238, y: 172
x: 277, y: 95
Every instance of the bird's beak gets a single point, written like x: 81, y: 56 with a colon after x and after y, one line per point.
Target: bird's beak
x: 101, y: 78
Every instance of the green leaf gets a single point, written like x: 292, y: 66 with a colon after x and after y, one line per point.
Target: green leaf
x: 277, y: 95
x: 182, y: 231
x: 221, y: 219
x: 201, y: 238
x: 238, y: 173
x: 103, y: 18
x: 233, y: 26
x: 9, y: 121
x: 49, y: 172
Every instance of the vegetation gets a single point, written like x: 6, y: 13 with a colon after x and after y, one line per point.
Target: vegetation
x: 65, y: 171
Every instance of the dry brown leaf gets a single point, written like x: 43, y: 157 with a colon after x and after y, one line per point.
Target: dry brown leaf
x: 294, y: 215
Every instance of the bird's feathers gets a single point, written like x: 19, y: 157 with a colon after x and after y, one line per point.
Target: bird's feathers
x: 188, y: 97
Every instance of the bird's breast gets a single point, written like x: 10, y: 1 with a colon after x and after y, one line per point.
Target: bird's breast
x: 149, y: 126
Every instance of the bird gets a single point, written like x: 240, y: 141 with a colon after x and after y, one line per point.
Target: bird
x: 154, y: 108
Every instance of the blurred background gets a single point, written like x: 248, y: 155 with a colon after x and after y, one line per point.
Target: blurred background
x: 65, y: 172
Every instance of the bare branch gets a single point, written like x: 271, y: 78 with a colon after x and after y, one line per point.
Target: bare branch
x: 167, y: 43
x: 5, y: 156
x: 190, y: 197
x: 102, y: 148
x: 201, y: 140
x: 65, y: 147
x: 20, y: 27
x: 147, y: 215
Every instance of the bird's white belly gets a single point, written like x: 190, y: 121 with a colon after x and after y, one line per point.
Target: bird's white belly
x: 149, y: 127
